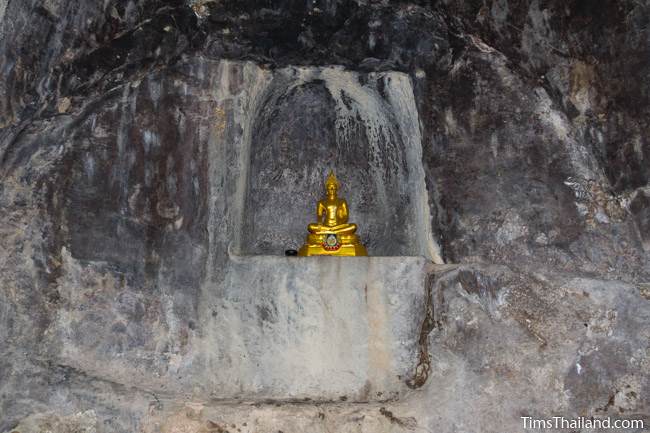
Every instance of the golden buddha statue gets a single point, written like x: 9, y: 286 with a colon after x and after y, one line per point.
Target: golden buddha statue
x: 332, y: 235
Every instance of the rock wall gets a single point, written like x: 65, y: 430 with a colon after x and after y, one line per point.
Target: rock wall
x: 156, y: 155
x: 275, y: 328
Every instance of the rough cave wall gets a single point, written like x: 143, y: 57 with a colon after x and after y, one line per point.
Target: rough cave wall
x: 130, y: 156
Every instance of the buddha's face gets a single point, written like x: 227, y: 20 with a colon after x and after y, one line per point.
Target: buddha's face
x: 331, y: 190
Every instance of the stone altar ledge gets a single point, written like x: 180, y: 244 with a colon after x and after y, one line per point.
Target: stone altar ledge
x: 322, y: 328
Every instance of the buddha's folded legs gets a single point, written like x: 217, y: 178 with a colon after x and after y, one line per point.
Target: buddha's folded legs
x: 345, y: 229
x: 341, y: 229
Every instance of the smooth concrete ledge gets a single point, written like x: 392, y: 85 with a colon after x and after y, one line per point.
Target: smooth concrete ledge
x: 323, y: 328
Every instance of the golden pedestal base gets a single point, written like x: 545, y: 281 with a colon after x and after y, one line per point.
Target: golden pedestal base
x: 331, y: 244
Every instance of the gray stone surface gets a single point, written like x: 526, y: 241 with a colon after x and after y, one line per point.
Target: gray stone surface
x: 505, y: 344
x: 145, y: 144
x: 275, y: 328
x: 323, y: 328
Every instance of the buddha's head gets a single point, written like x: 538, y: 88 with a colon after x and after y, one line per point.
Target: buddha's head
x: 331, y: 185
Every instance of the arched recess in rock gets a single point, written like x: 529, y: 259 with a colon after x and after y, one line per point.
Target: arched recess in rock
x: 366, y: 127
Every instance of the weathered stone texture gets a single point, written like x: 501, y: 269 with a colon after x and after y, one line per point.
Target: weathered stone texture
x: 155, y: 155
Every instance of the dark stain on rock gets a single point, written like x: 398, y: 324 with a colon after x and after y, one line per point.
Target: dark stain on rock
x: 266, y: 313
x: 423, y: 367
